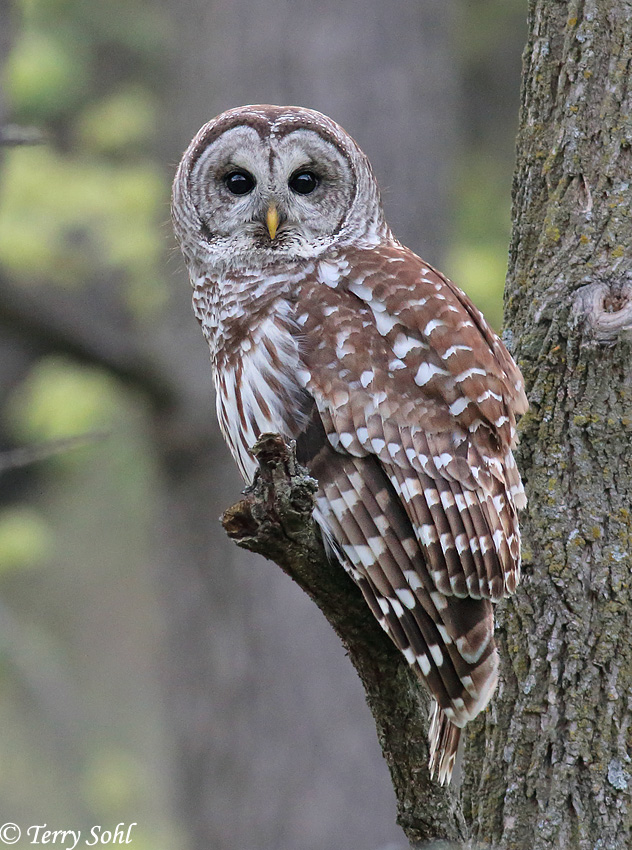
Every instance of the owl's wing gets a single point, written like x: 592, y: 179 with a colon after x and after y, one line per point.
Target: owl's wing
x: 366, y: 522
x: 403, y: 366
x: 416, y: 401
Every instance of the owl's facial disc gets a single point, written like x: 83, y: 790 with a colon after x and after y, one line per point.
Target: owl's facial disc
x: 271, y: 197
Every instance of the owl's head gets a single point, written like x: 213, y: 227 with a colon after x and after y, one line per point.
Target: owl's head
x: 264, y: 185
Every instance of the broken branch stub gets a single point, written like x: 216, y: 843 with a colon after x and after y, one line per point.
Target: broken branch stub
x: 275, y: 520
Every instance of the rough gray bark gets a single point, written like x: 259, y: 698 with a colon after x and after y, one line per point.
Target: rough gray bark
x: 551, y: 767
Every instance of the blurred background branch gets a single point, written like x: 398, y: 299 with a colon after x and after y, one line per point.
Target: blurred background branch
x: 11, y: 135
x: 27, y: 455
x: 89, y: 330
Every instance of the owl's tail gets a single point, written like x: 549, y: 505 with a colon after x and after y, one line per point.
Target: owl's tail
x: 444, y: 739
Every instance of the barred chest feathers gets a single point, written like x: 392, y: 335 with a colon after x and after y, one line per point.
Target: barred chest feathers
x: 254, y: 341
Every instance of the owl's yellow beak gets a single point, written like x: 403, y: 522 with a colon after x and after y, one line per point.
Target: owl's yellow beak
x: 272, y: 220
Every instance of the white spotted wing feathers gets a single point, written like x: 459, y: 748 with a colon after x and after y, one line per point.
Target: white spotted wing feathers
x: 418, y: 398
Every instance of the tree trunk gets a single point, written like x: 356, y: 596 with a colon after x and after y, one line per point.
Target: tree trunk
x: 550, y: 765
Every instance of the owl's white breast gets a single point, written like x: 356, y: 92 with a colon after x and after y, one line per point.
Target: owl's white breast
x: 254, y: 342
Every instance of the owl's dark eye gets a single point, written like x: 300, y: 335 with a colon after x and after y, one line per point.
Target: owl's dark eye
x: 239, y: 182
x: 303, y: 182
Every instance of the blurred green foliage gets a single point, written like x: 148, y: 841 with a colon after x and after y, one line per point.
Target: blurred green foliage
x: 89, y: 204
x: 60, y: 399
x: 477, y: 258
x: 490, y: 38
x: 93, y: 200
x: 88, y: 207
x: 121, y: 122
x: 25, y: 538
x: 65, y: 219
x: 46, y: 76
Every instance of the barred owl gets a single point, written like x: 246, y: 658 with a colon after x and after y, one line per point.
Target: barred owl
x: 402, y: 401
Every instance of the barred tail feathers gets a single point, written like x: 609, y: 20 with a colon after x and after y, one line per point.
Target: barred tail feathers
x: 444, y: 739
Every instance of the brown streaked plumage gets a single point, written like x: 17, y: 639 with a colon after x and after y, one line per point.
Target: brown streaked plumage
x: 402, y: 400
